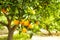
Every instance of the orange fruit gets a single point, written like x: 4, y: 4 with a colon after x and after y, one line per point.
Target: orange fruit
x: 4, y: 10
x: 26, y: 23
x: 16, y: 22
x: 30, y: 26
x: 22, y: 21
x: 37, y: 23
x: 24, y: 30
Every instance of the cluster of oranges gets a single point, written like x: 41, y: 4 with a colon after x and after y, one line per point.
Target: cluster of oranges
x: 25, y: 23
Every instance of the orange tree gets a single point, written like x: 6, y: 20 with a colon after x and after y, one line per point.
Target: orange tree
x: 29, y: 15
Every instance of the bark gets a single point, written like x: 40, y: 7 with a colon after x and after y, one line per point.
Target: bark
x: 10, y: 35
x: 47, y: 28
x: 10, y: 32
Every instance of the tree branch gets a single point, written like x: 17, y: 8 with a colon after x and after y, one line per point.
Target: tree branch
x: 3, y: 23
x: 9, y: 21
x: 14, y: 27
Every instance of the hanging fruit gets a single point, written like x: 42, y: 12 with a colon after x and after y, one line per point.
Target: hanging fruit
x: 30, y: 26
x: 22, y: 21
x: 26, y: 23
x: 4, y: 10
x: 24, y: 30
x: 16, y: 22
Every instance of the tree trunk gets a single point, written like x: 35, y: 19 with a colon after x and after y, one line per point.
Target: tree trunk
x: 10, y: 35
x: 47, y: 28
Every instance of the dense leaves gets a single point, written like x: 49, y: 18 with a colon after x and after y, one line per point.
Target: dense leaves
x: 31, y: 14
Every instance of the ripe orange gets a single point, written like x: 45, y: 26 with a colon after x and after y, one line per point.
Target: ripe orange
x: 22, y: 21
x: 26, y: 23
x: 24, y: 30
x: 4, y: 10
x: 16, y: 22
x: 30, y: 26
